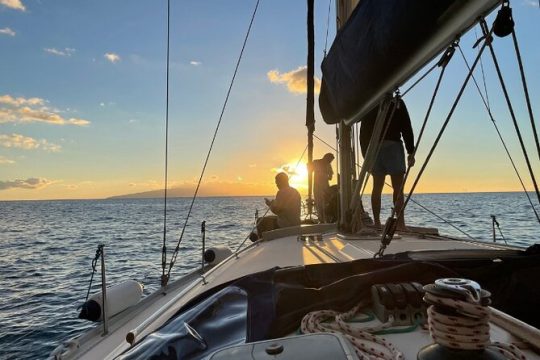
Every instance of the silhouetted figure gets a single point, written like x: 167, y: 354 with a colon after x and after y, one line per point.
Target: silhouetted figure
x: 391, y: 157
x: 286, y: 207
x: 332, y: 204
x: 322, y: 171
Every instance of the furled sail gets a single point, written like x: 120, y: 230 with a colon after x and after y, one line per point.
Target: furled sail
x: 383, y: 44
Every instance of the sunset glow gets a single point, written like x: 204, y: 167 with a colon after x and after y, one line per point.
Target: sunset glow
x: 298, y: 175
x: 82, y: 107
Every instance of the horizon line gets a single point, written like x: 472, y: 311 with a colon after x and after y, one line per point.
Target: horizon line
x: 128, y: 197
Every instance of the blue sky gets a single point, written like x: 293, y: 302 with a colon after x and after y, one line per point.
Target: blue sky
x: 82, y: 98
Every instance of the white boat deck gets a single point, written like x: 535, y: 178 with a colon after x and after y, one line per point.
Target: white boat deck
x: 281, y: 248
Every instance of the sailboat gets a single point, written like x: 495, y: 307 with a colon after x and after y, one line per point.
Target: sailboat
x: 344, y: 290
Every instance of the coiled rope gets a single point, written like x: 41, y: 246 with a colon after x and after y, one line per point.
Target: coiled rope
x: 367, y: 346
x: 467, y: 329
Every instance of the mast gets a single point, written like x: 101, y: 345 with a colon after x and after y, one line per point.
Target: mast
x: 344, y: 9
x: 310, y: 101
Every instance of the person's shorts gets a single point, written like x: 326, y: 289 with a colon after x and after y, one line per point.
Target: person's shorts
x: 390, y: 160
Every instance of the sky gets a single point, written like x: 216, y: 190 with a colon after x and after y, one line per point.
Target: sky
x: 83, y: 100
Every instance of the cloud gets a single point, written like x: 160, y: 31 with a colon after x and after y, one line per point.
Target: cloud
x: 13, y: 4
x: 30, y: 183
x: 22, y: 110
x: 295, y: 80
x: 20, y: 101
x: 27, y: 114
x: 7, y: 31
x: 112, y: 57
x: 195, y: 63
x: 18, y: 141
x: 65, y: 52
x: 532, y: 3
x: 5, y: 160
x: 287, y: 168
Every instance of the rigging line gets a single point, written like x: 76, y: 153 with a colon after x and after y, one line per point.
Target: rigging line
x: 421, y: 78
x: 412, y: 200
x: 175, y: 254
x: 526, y: 90
x: 445, y: 124
x: 356, y: 144
x: 443, y: 62
x: 268, y: 208
x: 327, y: 27
x: 483, y: 73
x: 512, y: 114
x: 394, y: 102
x: 486, y: 104
x: 164, y: 247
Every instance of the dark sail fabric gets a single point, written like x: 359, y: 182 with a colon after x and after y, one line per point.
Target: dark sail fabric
x: 383, y: 44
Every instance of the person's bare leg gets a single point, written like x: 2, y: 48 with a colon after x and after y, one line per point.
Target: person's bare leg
x: 378, y: 183
x: 397, y: 183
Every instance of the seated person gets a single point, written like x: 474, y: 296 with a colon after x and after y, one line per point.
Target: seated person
x: 286, y: 207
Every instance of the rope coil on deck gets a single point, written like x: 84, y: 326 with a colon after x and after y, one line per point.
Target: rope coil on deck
x: 462, y: 325
x: 362, y: 339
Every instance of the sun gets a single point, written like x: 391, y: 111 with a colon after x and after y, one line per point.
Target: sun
x: 298, y: 175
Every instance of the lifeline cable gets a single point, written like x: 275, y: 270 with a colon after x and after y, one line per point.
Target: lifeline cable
x: 175, y: 254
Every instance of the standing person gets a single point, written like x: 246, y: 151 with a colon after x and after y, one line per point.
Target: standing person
x: 322, y: 171
x: 391, y: 157
x: 286, y: 207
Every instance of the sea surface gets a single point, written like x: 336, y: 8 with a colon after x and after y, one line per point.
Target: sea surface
x: 47, y: 247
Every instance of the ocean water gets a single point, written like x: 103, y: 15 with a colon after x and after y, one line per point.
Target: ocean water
x: 47, y: 248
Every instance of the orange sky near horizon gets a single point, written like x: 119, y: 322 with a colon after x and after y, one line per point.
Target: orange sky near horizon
x: 82, y: 108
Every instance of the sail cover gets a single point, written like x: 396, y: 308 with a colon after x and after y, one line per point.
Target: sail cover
x: 383, y: 44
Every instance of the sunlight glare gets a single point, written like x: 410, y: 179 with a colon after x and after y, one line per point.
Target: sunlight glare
x: 298, y: 175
